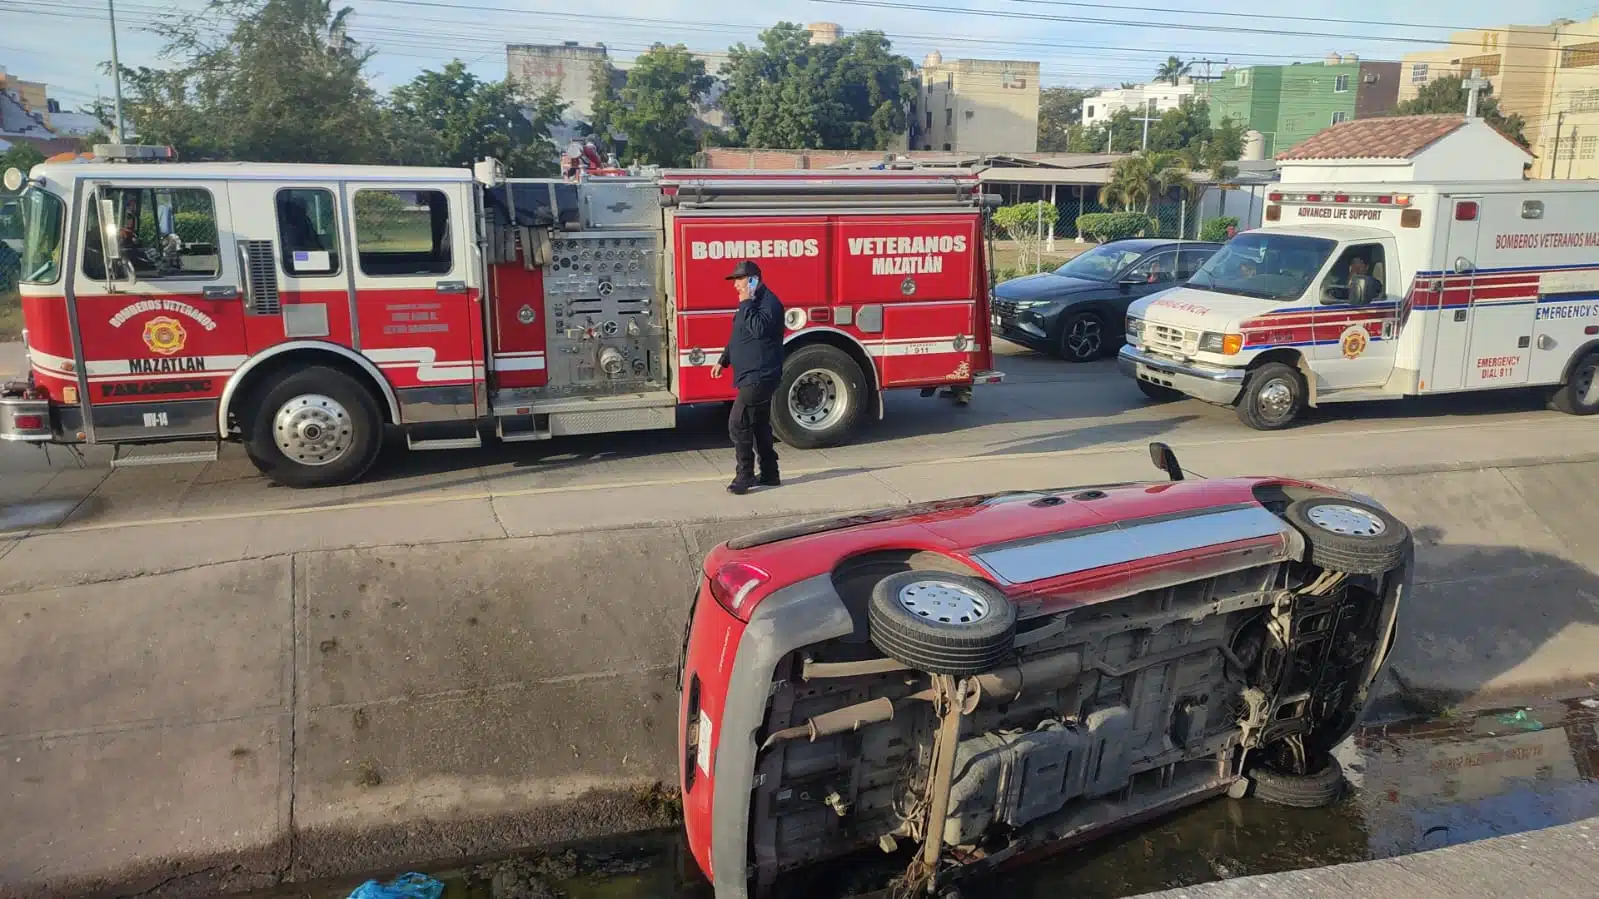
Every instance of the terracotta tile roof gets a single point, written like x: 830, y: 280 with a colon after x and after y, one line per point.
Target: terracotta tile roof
x: 1384, y: 137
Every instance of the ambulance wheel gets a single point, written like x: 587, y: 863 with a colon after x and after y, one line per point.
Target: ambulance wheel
x: 1274, y: 395
x: 820, y: 398
x: 1580, y: 394
x: 315, y: 427
x: 941, y: 623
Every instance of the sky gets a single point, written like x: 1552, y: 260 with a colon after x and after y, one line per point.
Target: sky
x: 1087, y: 44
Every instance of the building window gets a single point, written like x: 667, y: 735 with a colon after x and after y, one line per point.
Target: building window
x: 1579, y: 56
x: 946, y: 148
x: 1488, y: 64
x: 949, y: 117
x: 1583, y: 100
x: 1418, y: 73
x: 929, y: 120
x: 1341, y: 84
x: 1586, y: 147
x: 1340, y: 117
x: 1241, y: 78
x: 949, y: 81
x: 1090, y: 112
x: 402, y: 232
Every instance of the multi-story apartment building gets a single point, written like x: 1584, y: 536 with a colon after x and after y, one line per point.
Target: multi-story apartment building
x: 975, y: 106
x: 1288, y: 104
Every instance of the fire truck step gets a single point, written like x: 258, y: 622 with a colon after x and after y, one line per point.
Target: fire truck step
x: 161, y: 454
x: 443, y: 443
x: 522, y: 429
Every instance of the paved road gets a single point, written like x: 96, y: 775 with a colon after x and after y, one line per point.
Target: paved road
x: 1045, y: 406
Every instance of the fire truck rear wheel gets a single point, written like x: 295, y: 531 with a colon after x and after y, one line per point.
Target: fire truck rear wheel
x: 315, y: 427
x: 1274, y: 395
x: 1580, y: 394
x: 820, y: 398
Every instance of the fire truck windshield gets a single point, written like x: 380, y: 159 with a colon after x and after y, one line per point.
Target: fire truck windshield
x: 42, y: 218
x: 1264, y: 265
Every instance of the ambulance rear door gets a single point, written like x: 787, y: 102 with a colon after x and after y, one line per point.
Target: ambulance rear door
x: 1449, y: 304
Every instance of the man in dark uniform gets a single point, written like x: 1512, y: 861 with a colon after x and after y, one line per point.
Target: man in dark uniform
x: 755, y: 352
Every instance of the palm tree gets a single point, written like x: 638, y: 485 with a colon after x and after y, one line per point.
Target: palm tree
x: 1140, y: 180
x: 1130, y: 85
x: 1173, y: 70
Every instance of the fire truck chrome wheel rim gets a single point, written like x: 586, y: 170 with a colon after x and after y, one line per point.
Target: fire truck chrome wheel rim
x: 1276, y: 398
x: 313, y: 429
x: 943, y: 602
x: 1083, y: 338
x: 1350, y: 520
x: 817, y: 400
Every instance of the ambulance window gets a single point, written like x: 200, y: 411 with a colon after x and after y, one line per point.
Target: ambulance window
x: 168, y: 233
x: 402, y: 232
x: 308, y: 228
x: 1362, y: 259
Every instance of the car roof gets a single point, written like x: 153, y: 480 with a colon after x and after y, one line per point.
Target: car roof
x: 1145, y: 244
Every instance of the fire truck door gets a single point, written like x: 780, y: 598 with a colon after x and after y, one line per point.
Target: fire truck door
x: 417, y: 294
x: 158, y: 308
x: 298, y: 285
x: 1449, y: 309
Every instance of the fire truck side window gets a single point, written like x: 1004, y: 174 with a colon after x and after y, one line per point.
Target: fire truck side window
x: 167, y: 233
x: 308, y: 230
x: 402, y: 232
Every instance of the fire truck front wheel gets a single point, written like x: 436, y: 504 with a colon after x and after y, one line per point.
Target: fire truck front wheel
x: 820, y: 399
x: 1274, y: 395
x: 314, y: 427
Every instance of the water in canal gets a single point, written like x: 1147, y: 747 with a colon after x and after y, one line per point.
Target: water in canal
x: 1418, y: 784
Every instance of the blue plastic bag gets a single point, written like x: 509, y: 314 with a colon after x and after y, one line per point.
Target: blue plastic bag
x: 406, y: 886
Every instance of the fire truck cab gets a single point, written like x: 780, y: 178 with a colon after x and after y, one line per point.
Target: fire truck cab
x: 1361, y: 291
x: 302, y: 309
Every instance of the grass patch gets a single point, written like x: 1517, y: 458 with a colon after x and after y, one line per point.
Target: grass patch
x: 1007, y: 258
x: 10, y: 316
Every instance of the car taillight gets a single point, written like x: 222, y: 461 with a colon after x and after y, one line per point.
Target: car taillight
x: 27, y: 422
x: 734, y: 585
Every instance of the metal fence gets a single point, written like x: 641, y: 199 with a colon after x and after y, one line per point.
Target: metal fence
x: 10, y: 244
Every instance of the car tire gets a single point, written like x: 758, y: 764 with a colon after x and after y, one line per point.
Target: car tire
x: 820, y: 398
x: 1273, y: 396
x: 1349, y: 536
x: 1157, y: 392
x: 941, y: 623
x: 1083, y: 337
x: 1580, y: 394
x: 313, y: 427
x: 1317, y: 790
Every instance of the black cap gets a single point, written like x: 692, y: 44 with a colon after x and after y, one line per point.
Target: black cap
x: 745, y: 269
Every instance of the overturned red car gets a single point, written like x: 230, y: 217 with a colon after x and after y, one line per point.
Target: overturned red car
x: 970, y: 682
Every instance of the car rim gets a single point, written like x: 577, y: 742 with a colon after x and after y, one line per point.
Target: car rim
x: 944, y: 602
x: 817, y: 400
x: 313, y: 429
x: 1276, y: 399
x: 1083, y: 338
x: 1350, y: 520
x: 1582, y: 384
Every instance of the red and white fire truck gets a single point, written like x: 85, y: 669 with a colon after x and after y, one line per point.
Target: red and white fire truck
x: 300, y: 309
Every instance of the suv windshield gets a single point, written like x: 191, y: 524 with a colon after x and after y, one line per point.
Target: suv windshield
x: 1100, y: 263
x: 1265, y: 265
x: 42, y: 215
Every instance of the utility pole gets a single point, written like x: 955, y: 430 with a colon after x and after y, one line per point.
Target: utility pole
x: 1554, y: 158
x: 1572, y: 156
x: 1472, y: 86
x: 116, y: 69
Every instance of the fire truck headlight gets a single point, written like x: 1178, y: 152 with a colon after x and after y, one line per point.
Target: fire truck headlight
x: 1225, y: 344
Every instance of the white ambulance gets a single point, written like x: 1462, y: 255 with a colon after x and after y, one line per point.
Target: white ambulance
x: 1368, y: 290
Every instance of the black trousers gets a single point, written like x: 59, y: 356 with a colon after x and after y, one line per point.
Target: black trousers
x: 750, y: 426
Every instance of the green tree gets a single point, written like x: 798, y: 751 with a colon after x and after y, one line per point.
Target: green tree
x: 1448, y: 95
x: 454, y: 118
x: 1138, y: 181
x: 22, y: 156
x: 275, y: 80
x: 788, y: 92
x: 1173, y: 70
x: 1059, y: 108
x: 655, y: 110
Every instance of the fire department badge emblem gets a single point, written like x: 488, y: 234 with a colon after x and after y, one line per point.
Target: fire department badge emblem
x: 164, y: 336
x: 1353, y: 341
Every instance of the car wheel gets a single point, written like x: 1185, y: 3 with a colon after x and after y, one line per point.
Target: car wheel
x: 1274, y: 395
x: 1157, y: 392
x: 1580, y: 394
x: 1082, y: 337
x: 1349, y: 536
x: 1316, y: 790
x: 315, y: 427
x: 941, y: 623
x: 819, y: 399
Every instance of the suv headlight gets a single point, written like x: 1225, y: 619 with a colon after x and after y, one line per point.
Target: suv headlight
x: 1216, y: 342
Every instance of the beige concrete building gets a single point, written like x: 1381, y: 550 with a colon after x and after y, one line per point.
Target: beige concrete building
x: 1547, y: 74
x: 975, y: 106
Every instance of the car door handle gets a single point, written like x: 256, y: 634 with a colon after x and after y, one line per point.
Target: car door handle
x: 220, y: 292
x: 451, y: 287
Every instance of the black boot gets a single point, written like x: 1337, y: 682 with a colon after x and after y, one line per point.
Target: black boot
x: 769, y: 477
x: 741, y: 485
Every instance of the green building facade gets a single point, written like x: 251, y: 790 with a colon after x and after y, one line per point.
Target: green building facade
x: 1289, y: 104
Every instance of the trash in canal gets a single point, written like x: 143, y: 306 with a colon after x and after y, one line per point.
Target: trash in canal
x: 1520, y: 720
x: 406, y: 886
